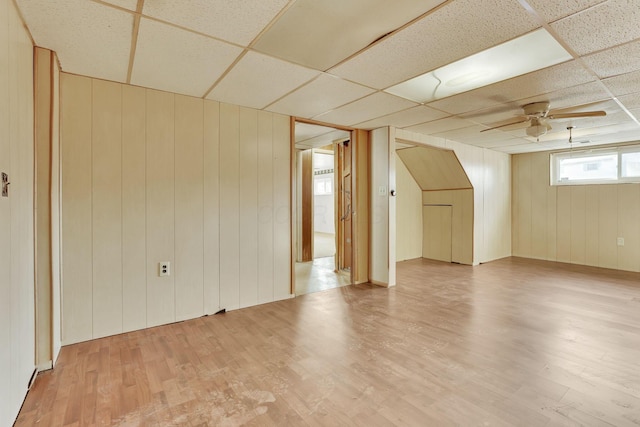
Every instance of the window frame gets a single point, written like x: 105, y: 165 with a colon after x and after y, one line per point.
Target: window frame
x: 556, y: 158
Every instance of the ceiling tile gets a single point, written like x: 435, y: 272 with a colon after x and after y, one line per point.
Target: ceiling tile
x: 624, y: 84
x: 309, y: 135
x: 322, y: 94
x: 77, y: 30
x: 532, y: 84
x: 588, y: 96
x: 336, y: 29
x: 496, y: 144
x: 581, y: 133
x: 164, y: 52
x: 304, y: 131
x: 614, y: 115
x: 609, y: 24
x: 238, y: 21
x: 401, y: 119
x: 631, y: 101
x: 436, y: 40
x: 578, y: 95
x: 522, y: 148
x: 553, y: 10
x: 127, y: 4
x: 373, y: 106
x: 615, y: 61
x: 474, y: 134
x: 628, y: 135
x: 441, y: 125
x: 257, y: 80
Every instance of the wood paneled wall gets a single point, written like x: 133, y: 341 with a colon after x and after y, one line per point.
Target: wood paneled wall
x: 150, y: 176
x: 361, y: 215
x: 489, y: 172
x: 462, y: 209
x: 383, y: 212
x: 17, y: 263
x: 47, y: 207
x: 56, y: 198
x: 574, y: 224
x: 408, y: 214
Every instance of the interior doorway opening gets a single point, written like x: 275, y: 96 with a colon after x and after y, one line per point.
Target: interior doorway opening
x: 323, y: 220
x: 324, y: 206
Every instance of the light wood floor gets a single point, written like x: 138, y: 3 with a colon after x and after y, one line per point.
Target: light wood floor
x: 319, y: 275
x: 512, y: 342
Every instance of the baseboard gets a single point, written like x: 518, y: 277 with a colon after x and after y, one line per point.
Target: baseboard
x: 45, y: 366
x: 381, y: 284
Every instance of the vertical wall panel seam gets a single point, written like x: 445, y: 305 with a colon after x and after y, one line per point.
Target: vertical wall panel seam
x: 146, y: 260
x: 204, y: 236
x: 173, y: 256
x: 257, y: 211
x: 274, y: 207
x: 219, y: 132
x: 146, y: 220
x: 617, y: 226
x: 122, y: 328
x: 91, y: 210
x: 531, y: 192
x: 237, y: 109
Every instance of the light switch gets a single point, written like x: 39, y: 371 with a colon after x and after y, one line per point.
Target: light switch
x: 620, y: 241
x: 382, y: 190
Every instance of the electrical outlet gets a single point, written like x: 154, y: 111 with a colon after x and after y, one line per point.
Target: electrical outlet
x: 164, y: 269
x: 382, y: 190
x: 620, y: 241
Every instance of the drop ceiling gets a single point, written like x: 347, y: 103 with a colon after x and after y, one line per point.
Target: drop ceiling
x: 333, y: 61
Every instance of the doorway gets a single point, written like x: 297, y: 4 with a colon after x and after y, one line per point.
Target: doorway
x: 322, y: 209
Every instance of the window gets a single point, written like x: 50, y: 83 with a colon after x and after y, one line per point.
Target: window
x: 323, y: 185
x: 630, y: 164
x: 604, y: 166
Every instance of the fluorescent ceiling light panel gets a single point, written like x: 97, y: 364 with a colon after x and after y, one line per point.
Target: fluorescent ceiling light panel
x: 531, y: 52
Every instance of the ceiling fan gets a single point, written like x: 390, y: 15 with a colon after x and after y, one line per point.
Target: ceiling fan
x: 537, y: 116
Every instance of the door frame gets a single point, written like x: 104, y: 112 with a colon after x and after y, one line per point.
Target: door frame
x: 360, y: 161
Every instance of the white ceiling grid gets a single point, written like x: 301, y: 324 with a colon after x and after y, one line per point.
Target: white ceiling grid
x: 126, y: 4
x: 322, y: 94
x: 258, y: 80
x: 376, y: 105
x: 91, y: 39
x: 237, y: 21
x: 332, y: 60
x: 165, y: 52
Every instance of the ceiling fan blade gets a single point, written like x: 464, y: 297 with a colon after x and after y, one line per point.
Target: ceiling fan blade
x: 507, y: 124
x: 577, y: 115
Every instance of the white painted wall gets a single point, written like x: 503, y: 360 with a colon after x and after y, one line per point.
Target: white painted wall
x: 574, y: 224
x: 323, y: 212
x: 323, y: 205
x: 489, y: 172
x: 149, y: 176
x: 17, y: 327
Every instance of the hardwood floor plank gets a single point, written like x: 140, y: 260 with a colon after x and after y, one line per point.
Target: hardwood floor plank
x: 511, y: 342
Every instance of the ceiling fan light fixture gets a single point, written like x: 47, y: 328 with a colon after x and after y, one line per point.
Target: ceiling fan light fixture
x: 538, y: 128
x: 536, y: 131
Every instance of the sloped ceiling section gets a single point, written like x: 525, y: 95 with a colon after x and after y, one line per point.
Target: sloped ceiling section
x: 334, y: 60
x: 434, y: 168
